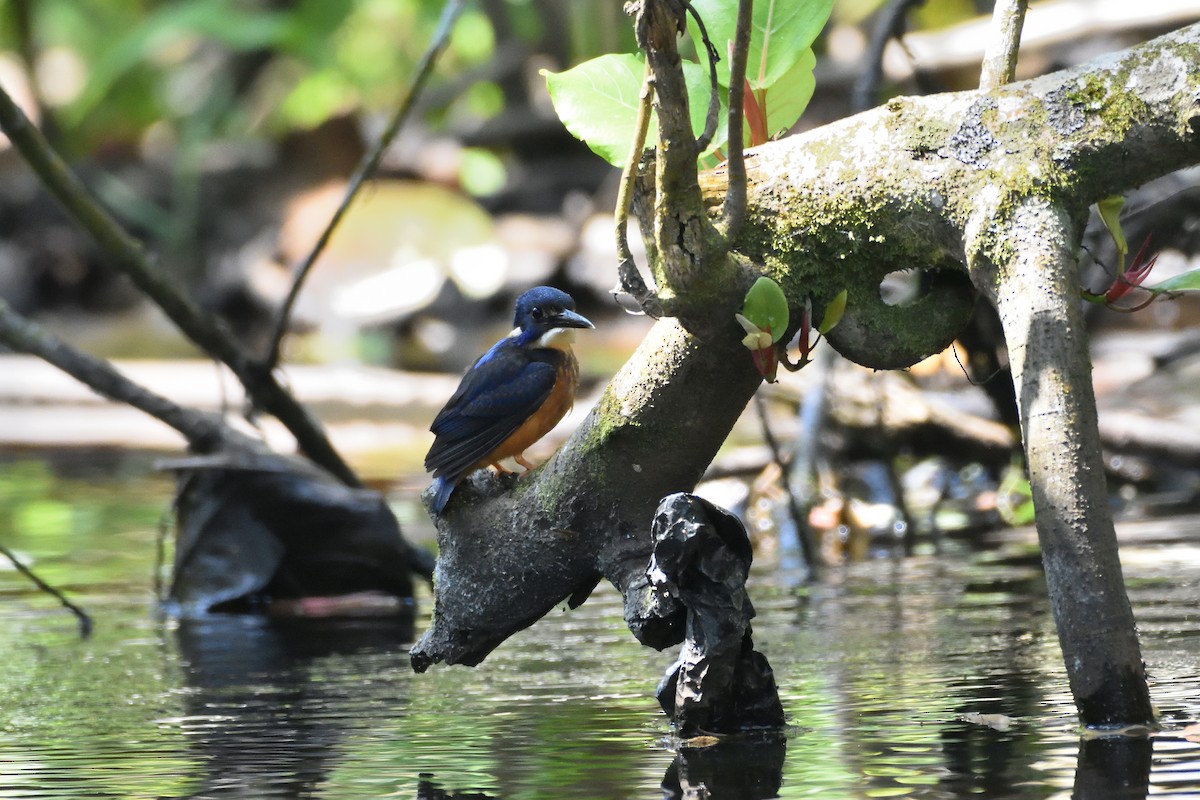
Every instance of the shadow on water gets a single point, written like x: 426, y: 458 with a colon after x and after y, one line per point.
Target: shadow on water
x: 257, y: 716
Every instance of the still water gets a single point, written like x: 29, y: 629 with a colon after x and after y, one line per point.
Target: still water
x: 885, y: 668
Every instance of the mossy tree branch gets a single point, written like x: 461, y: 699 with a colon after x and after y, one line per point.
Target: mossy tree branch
x: 905, y: 186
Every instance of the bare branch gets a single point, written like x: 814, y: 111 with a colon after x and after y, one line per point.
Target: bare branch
x: 1023, y: 259
x: 85, y: 621
x: 627, y: 272
x: 890, y: 24
x: 712, y: 118
x: 17, y: 332
x: 366, y: 168
x: 735, y: 195
x: 127, y: 255
x: 1004, y: 42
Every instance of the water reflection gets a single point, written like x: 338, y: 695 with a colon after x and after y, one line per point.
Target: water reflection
x: 428, y: 789
x: 889, y: 671
x: 741, y: 768
x: 1114, y: 768
x: 257, y: 717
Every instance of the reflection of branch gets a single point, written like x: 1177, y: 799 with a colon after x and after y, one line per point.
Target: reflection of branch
x: 735, y: 196
x: 368, y: 165
x: 85, y: 621
x: 130, y: 258
x: 1004, y: 41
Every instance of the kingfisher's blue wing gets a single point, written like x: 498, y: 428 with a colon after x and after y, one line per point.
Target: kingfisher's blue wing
x: 495, y: 397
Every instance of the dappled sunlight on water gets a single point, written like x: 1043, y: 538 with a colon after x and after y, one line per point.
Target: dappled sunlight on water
x: 931, y: 676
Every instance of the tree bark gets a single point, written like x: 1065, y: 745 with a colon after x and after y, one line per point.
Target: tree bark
x: 509, y: 550
x: 1030, y: 272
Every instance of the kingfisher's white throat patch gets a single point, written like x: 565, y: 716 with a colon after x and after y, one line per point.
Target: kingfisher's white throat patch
x: 558, y: 338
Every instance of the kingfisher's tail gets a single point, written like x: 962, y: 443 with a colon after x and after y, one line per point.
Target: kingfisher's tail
x: 442, y: 487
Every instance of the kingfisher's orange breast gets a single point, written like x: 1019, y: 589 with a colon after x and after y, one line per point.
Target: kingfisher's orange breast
x: 549, y: 414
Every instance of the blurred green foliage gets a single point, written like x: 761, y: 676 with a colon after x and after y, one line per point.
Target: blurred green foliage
x: 114, y: 72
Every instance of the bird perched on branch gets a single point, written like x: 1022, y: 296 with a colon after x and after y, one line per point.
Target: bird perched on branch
x: 512, y: 396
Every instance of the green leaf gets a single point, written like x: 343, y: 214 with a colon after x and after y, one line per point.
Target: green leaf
x: 766, y: 306
x: 783, y: 31
x: 833, y: 313
x: 788, y: 98
x: 598, y: 102
x: 1184, y: 282
x: 1110, y: 215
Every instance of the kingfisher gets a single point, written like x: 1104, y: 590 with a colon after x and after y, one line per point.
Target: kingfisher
x: 512, y: 395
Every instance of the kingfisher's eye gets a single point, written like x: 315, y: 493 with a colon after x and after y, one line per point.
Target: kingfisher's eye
x: 537, y: 314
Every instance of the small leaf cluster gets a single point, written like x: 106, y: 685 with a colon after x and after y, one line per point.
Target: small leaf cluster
x: 1132, y: 276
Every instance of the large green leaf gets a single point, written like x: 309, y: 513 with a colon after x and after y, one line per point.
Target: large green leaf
x: 598, y: 102
x: 783, y: 31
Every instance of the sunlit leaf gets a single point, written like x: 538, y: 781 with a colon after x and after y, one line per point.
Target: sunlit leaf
x: 789, y: 97
x: 1184, y: 282
x: 1110, y: 215
x: 766, y: 307
x: 598, y: 102
x: 833, y: 312
x: 783, y: 31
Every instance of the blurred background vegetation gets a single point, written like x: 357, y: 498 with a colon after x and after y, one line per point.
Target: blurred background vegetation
x: 222, y: 133
x: 214, y: 128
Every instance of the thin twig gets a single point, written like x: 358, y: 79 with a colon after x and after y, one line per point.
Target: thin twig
x: 1004, y: 42
x: 366, y: 168
x: 712, y: 119
x: 735, y: 195
x: 627, y: 272
x: 85, y: 621
x: 128, y: 255
x: 795, y: 509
